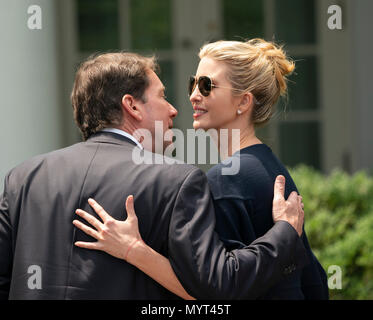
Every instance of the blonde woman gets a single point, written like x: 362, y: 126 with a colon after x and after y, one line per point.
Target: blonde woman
x: 236, y: 86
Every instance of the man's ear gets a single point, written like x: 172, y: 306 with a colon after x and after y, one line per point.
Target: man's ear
x: 132, y: 106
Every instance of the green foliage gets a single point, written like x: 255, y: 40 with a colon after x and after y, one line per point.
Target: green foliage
x: 339, y: 225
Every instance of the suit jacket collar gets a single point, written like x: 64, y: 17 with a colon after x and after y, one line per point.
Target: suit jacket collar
x: 111, y: 137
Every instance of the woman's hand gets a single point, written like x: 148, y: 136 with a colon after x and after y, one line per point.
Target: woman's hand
x: 119, y: 237
x: 113, y: 236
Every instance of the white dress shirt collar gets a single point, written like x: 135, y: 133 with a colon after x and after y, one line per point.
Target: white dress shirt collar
x: 125, y: 134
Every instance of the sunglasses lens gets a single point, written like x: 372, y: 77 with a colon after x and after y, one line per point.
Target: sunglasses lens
x: 204, y: 85
x: 192, y: 85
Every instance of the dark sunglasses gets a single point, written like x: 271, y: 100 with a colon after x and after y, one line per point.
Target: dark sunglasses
x: 204, y: 84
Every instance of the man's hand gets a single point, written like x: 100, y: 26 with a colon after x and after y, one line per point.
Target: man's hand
x: 290, y: 210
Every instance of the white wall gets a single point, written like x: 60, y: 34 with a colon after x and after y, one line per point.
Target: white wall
x: 29, y: 106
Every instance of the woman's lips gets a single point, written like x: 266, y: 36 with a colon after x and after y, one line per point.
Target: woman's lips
x: 198, y: 112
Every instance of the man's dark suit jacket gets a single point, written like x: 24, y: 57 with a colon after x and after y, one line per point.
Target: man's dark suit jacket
x: 176, y: 218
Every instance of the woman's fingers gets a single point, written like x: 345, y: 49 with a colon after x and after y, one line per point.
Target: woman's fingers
x: 91, y: 232
x: 99, y: 210
x: 89, y: 245
x: 89, y: 218
x: 131, y: 214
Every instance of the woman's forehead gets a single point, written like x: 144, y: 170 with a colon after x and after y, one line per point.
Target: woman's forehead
x: 212, y: 68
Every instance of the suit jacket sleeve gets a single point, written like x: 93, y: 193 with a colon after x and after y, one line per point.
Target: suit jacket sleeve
x: 5, y: 245
x: 202, y: 264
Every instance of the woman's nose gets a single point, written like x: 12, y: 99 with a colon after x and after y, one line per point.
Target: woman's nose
x: 196, y: 95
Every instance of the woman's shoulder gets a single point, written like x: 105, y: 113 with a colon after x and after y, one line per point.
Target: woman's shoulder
x: 238, y: 165
x: 234, y: 175
x: 249, y: 171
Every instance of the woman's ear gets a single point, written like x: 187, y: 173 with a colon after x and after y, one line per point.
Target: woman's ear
x: 132, y: 107
x: 246, y: 103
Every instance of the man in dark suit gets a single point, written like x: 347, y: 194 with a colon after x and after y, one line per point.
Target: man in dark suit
x: 113, y: 96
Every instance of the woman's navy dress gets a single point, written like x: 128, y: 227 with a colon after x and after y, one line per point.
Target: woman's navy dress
x: 243, y: 205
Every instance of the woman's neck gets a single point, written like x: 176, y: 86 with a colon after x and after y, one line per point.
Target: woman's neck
x: 231, y: 140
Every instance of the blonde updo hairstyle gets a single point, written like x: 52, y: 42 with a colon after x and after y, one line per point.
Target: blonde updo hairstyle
x: 255, y: 66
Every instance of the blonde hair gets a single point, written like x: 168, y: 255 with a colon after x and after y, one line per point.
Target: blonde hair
x: 255, y: 66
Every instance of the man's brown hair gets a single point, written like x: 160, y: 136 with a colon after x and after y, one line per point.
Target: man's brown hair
x: 101, y: 82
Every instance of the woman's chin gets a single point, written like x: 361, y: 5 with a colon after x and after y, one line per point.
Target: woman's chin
x: 199, y: 125
x: 196, y: 124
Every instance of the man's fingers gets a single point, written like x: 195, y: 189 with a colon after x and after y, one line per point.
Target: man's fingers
x: 301, y: 202
x: 130, y: 208
x: 293, y: 197
x: 89, y: 218
x: 98, y: 209
x: 86, y: 229
x: 279, y: 190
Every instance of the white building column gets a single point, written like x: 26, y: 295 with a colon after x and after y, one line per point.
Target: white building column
x: 362, y: 66
x: 335, y: 88
x: 347, y: 86
x: 30, y: 121
x: 194, y: 21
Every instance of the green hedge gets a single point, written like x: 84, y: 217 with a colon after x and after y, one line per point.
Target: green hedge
x: 339, y: 225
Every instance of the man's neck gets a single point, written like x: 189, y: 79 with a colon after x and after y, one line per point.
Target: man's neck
x: 125, y: 132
